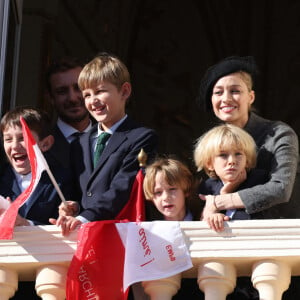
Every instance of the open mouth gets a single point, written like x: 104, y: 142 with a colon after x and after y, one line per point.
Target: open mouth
x: 19, y: 158
x: 169, y: 206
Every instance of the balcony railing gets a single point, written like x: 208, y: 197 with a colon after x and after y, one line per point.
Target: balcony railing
x: 266, y: 250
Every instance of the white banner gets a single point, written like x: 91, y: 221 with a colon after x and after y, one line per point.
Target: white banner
x: 153, y: 250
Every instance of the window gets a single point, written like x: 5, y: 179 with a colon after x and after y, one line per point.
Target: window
x: 10, y: 28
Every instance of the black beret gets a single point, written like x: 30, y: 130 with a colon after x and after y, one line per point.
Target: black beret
x: 225, y: 67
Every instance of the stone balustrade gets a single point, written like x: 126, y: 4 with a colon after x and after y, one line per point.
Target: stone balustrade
x: 266, y: 250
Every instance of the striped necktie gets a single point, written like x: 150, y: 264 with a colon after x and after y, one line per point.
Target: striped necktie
x: 101, y: 141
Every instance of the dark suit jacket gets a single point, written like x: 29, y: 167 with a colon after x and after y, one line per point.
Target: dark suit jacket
x: 60, y: 150
x: 106, y: 189
x: 43, y: 203
x: 212, y: 186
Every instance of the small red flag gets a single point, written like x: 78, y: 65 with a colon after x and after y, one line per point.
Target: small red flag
x: 134, y: 210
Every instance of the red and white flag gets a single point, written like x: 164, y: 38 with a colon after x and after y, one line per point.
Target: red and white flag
x: 38, y: 164
x: 112, y: 255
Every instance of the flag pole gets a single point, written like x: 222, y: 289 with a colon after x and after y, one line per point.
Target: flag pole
x: 60, y: 194
x: 142, y: 158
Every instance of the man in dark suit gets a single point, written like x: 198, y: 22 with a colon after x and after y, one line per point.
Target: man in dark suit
x: 66, y: 99
x: 105, y: 185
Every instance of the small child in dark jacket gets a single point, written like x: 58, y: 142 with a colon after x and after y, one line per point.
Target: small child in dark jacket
x: 227, y: 154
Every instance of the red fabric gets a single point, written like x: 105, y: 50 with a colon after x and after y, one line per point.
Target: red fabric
x: 96, y: 270
x: 134, y: 210
x: 9, y: 217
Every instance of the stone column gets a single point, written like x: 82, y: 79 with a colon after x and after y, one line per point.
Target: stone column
x: 162, y: 289
x: 216, y: 279
x: 51, y: 282
x: 271, y: 278
x: 8, y: 283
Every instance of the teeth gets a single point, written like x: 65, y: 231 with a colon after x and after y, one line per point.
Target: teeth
x: 227, y: 108
x: 19, y: 156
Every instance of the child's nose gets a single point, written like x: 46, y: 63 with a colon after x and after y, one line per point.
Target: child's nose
x: 166, y: 195
x: 231, y: 159
x: 15, y: 144
x: 95, y: 99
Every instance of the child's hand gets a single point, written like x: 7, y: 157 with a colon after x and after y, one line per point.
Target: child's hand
x: 21, y: 221
x: 216, y: 221
x: 4, y: 204
x: 210, y: 207
x: 230, y: 187
x: 67, y: 224
x: 69, y: 208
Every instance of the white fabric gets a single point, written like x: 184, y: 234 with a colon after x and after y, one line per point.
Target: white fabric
x: 152, y: 253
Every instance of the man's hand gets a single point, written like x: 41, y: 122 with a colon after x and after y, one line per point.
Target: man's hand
x: 230, y: 187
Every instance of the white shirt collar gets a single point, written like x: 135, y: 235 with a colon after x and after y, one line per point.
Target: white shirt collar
x: 113, y: 128
x: 68, y: 130
x: 23, y: 180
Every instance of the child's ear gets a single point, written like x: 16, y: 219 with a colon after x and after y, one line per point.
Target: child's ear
x: 46, y: 143
x: 210, y: 166
x: 126, y: 90
x: 187, y: 194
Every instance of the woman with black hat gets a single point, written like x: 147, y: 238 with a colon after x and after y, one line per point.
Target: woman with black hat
x: 227, y: 89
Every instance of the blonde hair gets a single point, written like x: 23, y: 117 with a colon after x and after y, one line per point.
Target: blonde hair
x: 103, y: 67
x: 246, y: 77
x: 174, y: 172
x: 223, y: 137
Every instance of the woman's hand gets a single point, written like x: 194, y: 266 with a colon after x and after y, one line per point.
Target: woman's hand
x: 230, y: 187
